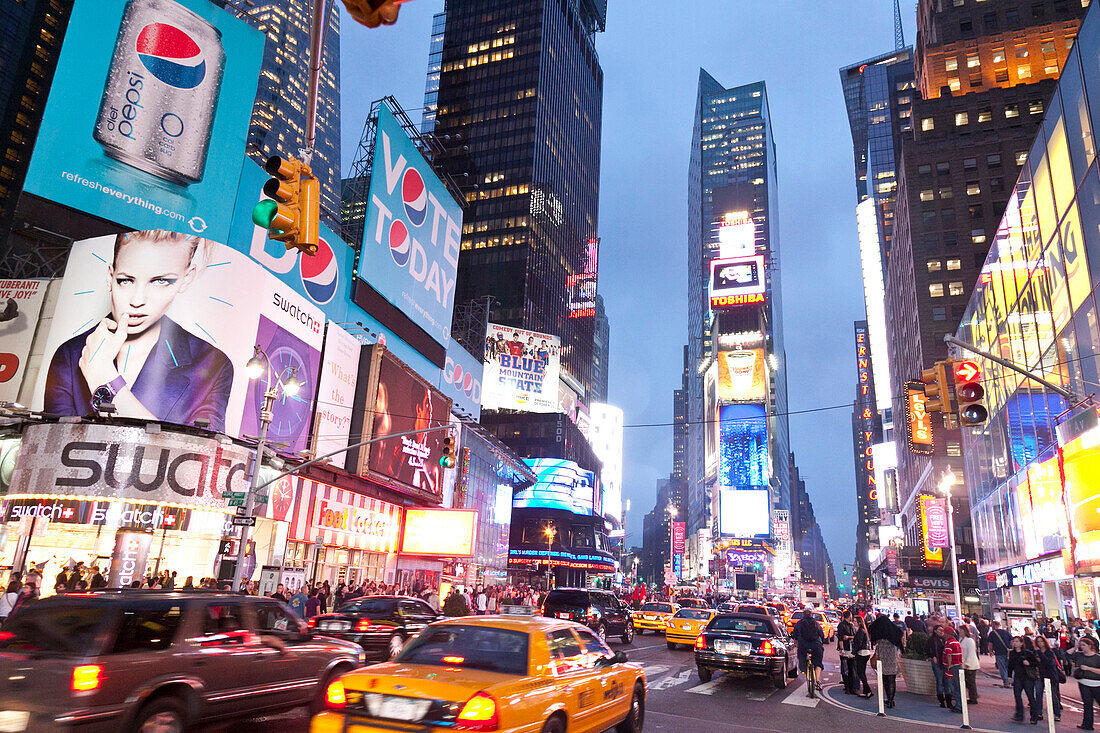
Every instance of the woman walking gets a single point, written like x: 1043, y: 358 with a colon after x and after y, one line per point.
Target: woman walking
x: 1023, y: 665
x: 861, y: 647
x: 9, y: 599
x: 935, y: 652
x: 971, y: 664
x: 1049, y: 669
x: 1086, y: 670
x: 888, y: 642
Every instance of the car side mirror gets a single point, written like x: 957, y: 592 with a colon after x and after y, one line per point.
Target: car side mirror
x: 619, y: 658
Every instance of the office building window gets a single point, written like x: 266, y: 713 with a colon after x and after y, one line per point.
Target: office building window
x: 927, y: 123
x: 926, y: 194
x: 934, y: 265
x: 951, y: 64
x: 970, y: 164
x: 944, y: 167
x: 939, y: 313
x: 973, y: 188
x: 954, y: 264
x: 955, y: 288
x: 936, y: 290
x: 977, y: 236
x: 961, y: 118
x: 945, y: 192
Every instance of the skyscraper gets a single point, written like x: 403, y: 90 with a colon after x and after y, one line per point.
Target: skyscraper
x: 985, y: 73
x: 31, y: 32
x: 278, y: 124
x: 515, y: 92
x: 601, y: 353
x: 734, y: 313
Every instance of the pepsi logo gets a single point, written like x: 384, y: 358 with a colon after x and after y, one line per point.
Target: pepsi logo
x: 462, y: 380
x: 400, y: 242
x: 414, y: 194
x: 171, y: 55
x: 320, y: 273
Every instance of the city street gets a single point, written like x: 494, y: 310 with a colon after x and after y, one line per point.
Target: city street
x: 678, y: 702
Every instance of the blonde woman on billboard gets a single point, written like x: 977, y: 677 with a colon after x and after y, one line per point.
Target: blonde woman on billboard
x: 136, y: 357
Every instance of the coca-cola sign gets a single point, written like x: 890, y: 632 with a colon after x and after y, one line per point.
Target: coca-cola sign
x: 91, y: 460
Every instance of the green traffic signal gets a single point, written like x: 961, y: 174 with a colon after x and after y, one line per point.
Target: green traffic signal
x: 447, y: 462
x: 264, y: 212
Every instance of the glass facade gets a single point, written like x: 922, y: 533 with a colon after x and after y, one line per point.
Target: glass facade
x: 1035, y: 305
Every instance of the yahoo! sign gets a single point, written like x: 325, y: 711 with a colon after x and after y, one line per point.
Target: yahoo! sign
x: 122, y: 461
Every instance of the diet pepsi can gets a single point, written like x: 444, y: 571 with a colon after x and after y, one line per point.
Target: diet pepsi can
x: 162, y: 89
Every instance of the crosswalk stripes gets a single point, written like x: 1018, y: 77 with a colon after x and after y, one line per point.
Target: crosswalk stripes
x: 673, y: 680
x: 798, y: 696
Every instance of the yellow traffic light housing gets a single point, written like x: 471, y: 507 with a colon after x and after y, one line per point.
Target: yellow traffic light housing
x: 936, y: 387
x: 291, y: 214
x: 970, y: 394
x: 447, y: 460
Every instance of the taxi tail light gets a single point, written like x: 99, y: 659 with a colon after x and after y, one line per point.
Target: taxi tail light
x: 86, y: 677
x: 700, y: 642
x: 362, y: 624
x: 312, y: 623
x: 479, y: 714
x: 767, y: 648
x: 336, y: 697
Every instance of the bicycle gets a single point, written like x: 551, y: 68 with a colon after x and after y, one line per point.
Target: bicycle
x: 811, y: 681
x: 810, y: 664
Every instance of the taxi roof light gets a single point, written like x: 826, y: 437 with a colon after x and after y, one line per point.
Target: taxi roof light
x: 336, y: 696
x: 479, y: 713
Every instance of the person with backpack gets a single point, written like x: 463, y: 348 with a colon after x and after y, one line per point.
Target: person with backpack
x: 811, y: 643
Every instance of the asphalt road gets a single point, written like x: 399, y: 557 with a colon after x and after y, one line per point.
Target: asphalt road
x: 678, y: 702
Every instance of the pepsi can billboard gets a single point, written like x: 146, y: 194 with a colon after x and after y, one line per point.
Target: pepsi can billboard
x: 149, y: 99
x: 412, y: 234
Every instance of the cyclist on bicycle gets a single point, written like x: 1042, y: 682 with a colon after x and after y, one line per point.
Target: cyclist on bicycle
x: 811, y: 643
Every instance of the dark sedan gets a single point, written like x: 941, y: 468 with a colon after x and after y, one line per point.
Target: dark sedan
x: 748, y: 643
x: 381, y: 625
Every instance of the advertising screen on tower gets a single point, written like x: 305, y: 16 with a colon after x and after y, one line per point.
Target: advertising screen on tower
x: 745, y: 513
x: 736, y: 282
x: 20, y: 303
x: 582, y: 286
x: 157, y: 324
x: 336, y: 393
x: 743, y: 447
x: 522, y: 369
x: 736, y: 235
x: 413, y: 232
x: 404, y: 402
x: 148, y: 114
x: 742, y: 375
x: 559, y: 484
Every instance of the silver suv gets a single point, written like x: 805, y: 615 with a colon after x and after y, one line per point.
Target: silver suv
x: 143, y: 660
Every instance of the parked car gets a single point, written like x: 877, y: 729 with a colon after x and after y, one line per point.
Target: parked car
x: 128, y: 660
x: 748, y: 643
x: 599, y: 610
x: 381, y: 625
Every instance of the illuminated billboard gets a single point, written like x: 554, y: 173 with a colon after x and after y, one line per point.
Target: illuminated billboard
x: 148, y: 113
x: 736, y: 235
x: 559, y: 484
x: 742, y: 375
x: 743, y: 446
x: 439, y: 532
x: 412, y: 233
x: 20, y: 302
x: 606, y: 437
x: 744, y: 513
x: 1042, y: 511
x: 582, y: 286
x: 737, y: 281
x: 917, y: 419
x: 1081, y: 465
x: 522, y: 369
x: 189, y: 329
x: 933, y: 527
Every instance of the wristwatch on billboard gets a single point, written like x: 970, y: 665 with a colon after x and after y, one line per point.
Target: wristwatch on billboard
x: 107, y: 392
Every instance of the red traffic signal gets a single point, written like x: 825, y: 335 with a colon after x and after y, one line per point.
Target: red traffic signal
x: 967, y: 371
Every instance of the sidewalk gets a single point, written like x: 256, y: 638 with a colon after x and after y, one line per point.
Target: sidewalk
x: 994, y: 711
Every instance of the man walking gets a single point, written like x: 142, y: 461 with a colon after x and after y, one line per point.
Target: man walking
x: 845, y: 631
x: 1000, y: 641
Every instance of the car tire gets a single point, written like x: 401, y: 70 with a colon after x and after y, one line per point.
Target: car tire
x: 704, y: 673
x: 628, y: 634
x: 672, y: 644
x: 166, y: 713
x: 394, y: 646
x: 792, y: 672
x: 780, y: 680
x: 601, y: 631
x: 553, y: 724
x: 635, y: 718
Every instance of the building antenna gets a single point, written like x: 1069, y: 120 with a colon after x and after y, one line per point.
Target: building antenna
x: 899, y: 34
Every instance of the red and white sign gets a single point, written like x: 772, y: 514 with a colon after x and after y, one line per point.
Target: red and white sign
x: 20, y: 303
x: 344, y: 518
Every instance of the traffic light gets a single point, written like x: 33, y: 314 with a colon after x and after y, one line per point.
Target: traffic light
x: 936, y: 391
x: 373, y: 13
x: 447, y: 460
x: 292, y: 212
x: 969, y: 393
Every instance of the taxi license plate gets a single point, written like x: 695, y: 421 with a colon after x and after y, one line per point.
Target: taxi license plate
x: 732, y: 647
x: 14, y: 721
x: 565, y: 614
x: 399, y: 708
x: 334, y: 625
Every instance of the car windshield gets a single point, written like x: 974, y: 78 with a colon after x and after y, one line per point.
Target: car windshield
x: 796, y: 615
x: 733, y: 623
x: 471, y: 647
x: 692, y: 603
x: 752, y: 609
x: 567, y: 599
x: 657, y: 608
x: 54, y: 629
x: 693, y: 613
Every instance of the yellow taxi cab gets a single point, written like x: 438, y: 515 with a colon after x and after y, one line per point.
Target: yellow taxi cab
x: 503, y: 674
x: 686, y: 624
x: 827, y: 628
x: 653, y: 616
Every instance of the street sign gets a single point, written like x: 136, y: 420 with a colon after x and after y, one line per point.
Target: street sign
x: 235, y: 502
x: 241, y: 511
x: 234, y: 495
x: 244, y: 521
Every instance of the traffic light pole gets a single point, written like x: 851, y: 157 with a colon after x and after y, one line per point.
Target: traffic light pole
x: 317, y: 26
x: 1014, y: 367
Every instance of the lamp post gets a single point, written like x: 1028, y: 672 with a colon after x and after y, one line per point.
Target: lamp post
x: 549, y: 532
x: 258, y: 366
x: 946, y: 483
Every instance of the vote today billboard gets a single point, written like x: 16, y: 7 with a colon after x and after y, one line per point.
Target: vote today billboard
x: 148, y: 113
x: 413, y: 232
x: 163, y: 320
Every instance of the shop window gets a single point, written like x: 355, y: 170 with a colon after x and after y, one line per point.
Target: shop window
x: 148, y: 628
x: 936, y: 290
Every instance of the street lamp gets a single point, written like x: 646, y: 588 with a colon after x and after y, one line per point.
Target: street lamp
x: 549, y: 531
x: 257, y: 367
x: 946, y: 483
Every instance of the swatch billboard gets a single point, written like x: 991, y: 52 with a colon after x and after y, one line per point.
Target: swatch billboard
x: 157, y: 324
x: 148, y: 114
x: 413, y: 232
